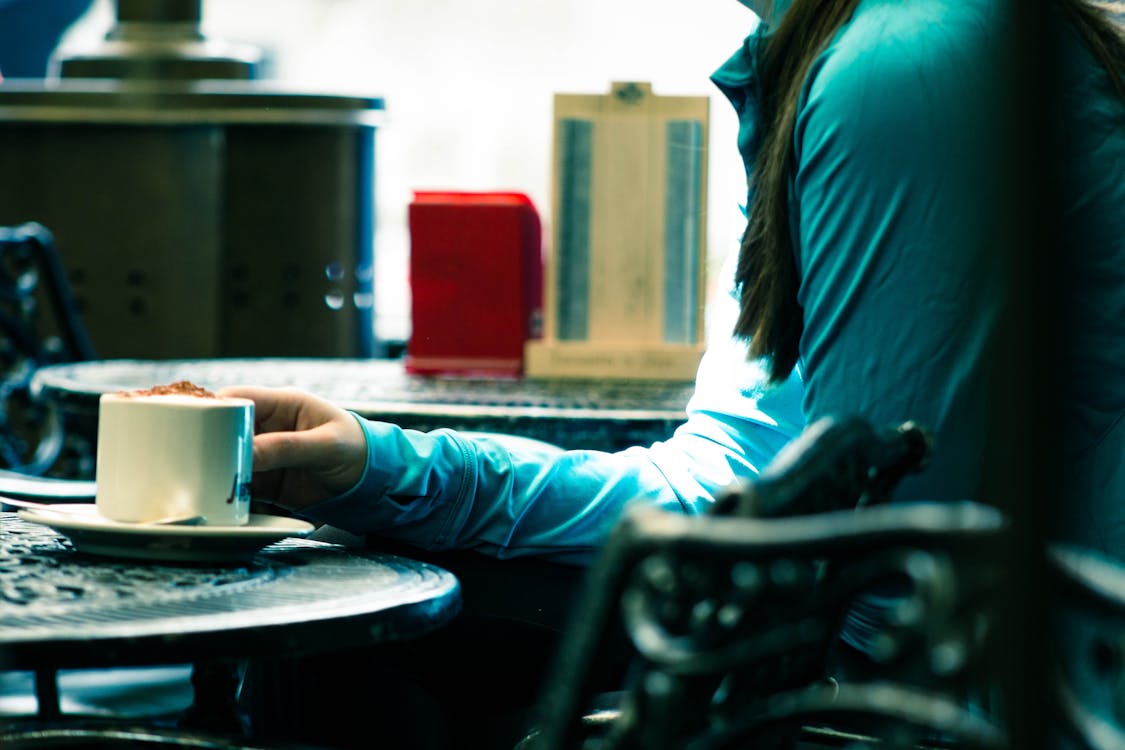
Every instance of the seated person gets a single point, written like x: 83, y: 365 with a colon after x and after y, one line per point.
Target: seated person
x: 872, y: 280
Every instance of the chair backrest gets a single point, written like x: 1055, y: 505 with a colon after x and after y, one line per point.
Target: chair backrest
x: 40, y: 324
x: 734, y: 618
x: 1088, y: 691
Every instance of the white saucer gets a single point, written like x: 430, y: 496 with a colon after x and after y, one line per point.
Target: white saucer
x: 92, y: 533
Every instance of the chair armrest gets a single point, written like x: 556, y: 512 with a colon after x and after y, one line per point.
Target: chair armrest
x: 763, y: 609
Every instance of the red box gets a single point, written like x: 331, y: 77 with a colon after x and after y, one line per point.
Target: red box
x: 476, y: 282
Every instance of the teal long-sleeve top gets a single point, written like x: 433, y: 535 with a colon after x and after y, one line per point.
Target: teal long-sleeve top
x: 894, y: 195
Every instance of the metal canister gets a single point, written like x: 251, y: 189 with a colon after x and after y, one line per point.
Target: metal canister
x: 199, y: 211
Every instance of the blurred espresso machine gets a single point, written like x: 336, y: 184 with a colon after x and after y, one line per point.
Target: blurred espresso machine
x: 198, y: 210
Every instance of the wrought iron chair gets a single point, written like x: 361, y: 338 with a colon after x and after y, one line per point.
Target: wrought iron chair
x: 734, y: 619
x: 1088, y: 691
x: 41, y: 325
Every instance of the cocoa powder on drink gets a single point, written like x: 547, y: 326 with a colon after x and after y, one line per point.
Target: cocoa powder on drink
x: 179, y: 388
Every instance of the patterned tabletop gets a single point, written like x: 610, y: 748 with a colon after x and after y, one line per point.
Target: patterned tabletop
x: 64, y: 608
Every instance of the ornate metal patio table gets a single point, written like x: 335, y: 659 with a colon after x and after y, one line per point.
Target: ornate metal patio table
x: 60, y: 608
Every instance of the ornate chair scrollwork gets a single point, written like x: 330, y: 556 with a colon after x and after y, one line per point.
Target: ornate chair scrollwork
x: 734, y: 618
x: 40, y: 325
x: 1089, y: 621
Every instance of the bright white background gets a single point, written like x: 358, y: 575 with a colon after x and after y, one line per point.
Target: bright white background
x: 469, y: 86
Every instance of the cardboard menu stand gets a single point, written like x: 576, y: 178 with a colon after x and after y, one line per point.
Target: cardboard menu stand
x: 476, y: 276
x: 626, y: 274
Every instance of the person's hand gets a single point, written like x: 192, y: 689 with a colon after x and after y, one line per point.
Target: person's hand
x: 306, y: 449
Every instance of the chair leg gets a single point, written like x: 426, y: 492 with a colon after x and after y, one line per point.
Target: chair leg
x: 215, y: 707
x: 47, y: 694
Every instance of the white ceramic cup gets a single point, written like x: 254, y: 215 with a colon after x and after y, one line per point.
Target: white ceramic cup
x: 174, y: 455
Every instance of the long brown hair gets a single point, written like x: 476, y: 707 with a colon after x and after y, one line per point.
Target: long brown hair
x: 770, y: 315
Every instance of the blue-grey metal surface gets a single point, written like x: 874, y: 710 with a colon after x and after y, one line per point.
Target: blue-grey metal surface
x: 62, y: 608
x: 589, y: 414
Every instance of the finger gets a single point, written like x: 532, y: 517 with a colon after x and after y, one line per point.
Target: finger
x: 288, y: 449
x: 255, y: 393
x: 265, y: 485
x: 277, y: 408
x: 334, y: 452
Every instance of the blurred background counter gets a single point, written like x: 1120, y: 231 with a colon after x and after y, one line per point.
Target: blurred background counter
x: 190, y: 200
